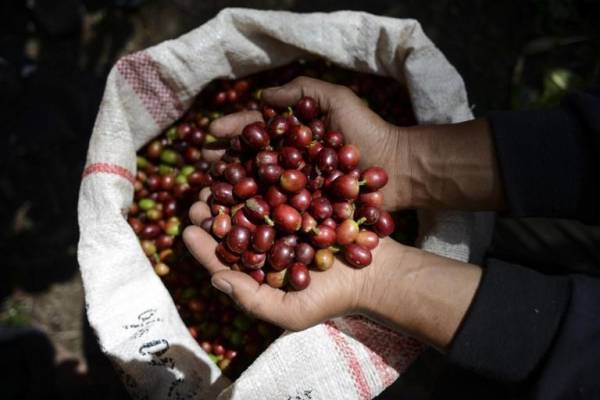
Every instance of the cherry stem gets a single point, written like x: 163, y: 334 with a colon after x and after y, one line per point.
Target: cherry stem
x: 290, y: 110
x: 269, y: 221
x: 315, y: 230
x: 361, y: 183
x: 334, y: 249
x: 361, y: 221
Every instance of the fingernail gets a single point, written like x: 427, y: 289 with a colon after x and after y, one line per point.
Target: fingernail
x: 222, y: 285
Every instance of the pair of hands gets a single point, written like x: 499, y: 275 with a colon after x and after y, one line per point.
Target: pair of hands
x: 386, y: 289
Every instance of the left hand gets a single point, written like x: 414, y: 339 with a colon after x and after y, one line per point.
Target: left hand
x: 338, y: 291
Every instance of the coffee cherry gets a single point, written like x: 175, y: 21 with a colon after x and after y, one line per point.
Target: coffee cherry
x: 374, y: 199
x: 348, y: 157
x: 374, y: 178
x: 333, y: 139
x: 327, y: 160
x: 304, y: 253
x: 225, y: 255
x: 318, y: 128
x: 345, y: 187
x: 239, y: 218
x: 292, y: 181
x: 357, y: 256
x: 253, y: 260
x: 280, y: 256
x: 385, y: 225
x: 287, y: 218
x: 306, y: 108
x: 263, y: 238
x: 324, y: 259
x: 323, y: 236
x: 258, y: 275
x: 290, y: 157
x: 275, y: 197
x: 234, y: 172
x: 301, y: 200
x: 245, y: 188
x: 266, y: 157
x: 270, y: 173
x: 238, y: 239
x: 321, y: 208
x: 369, y: 214
x: 298, y: 276
x: 255, y: 136
x: 221, y: 225
x: 347, y: 232
x: 343, y: 210
x: 222, y: 193
x: 278, y: 127
x: 256, y: 209
x: 367, y: 239
x: 277, y: 279
x: 300, y: 136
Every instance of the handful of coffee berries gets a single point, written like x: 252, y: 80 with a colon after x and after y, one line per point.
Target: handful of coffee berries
x: 171, y: 172
x: 289, y: 195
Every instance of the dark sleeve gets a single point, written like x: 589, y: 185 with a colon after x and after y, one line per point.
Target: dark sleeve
x: 524, y: 325
x: 549, y: 159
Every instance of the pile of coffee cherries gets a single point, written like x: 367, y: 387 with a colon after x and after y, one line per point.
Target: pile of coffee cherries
x: 294, y: 177
x: 290, y: 195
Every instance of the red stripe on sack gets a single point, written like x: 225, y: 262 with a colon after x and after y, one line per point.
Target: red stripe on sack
x: 142, y: 73
x: 108, y: 169
x: 363, y: 333
x: 394, y: 350
x: 347, y: 353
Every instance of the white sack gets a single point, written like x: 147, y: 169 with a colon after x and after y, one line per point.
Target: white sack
x: 129, y: 308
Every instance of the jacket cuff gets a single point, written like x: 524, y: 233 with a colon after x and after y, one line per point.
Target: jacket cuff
x: 511, y: 323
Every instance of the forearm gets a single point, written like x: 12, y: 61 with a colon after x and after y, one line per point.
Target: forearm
x: 454, y: 166
x: 423, y: 295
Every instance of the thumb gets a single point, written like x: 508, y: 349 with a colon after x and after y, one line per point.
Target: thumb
x: 290, y: 93
x: 260, y: 301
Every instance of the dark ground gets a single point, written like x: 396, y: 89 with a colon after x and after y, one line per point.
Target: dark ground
x: 54, y: 57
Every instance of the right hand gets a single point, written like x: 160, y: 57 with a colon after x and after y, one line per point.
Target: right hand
x: 380, y: 142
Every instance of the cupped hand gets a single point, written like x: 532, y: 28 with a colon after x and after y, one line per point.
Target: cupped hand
x: 340, y: 290
x: 380, y: 143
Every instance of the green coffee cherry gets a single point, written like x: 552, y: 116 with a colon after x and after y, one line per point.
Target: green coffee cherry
x: 147, y: 204
x: 181, y: 179
x: 164, y: 170
x: 169, y: 156
x: 187, y: 170
x: 141, y: 162
x: 172, y: 133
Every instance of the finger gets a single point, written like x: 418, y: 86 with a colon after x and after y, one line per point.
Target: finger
x: 211, y: 155
x: 204, y: 194
x: 260, y: 301
x: 232, y: 124
x: 290, y: 93
x: 199, y: 212
x: 202, y: 246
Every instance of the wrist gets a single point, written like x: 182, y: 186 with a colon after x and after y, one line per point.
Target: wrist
x: 420, y: 294
x: 386, y: 286
x: 453, y: 166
